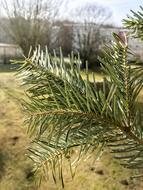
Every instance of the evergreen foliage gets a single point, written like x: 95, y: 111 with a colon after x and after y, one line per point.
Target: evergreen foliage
x: 135, y: 23
x: 65, y: 111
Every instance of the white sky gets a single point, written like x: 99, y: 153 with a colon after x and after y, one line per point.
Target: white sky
x: 119, y: 8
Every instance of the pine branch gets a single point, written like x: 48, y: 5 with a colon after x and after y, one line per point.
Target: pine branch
x: 135, y: 23
x: 66, y: 111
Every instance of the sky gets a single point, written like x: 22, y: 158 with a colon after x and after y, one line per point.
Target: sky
x: 119, y: 8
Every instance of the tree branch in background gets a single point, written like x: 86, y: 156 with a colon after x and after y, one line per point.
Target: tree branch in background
x: 30, y: 22
x: 88, y: 38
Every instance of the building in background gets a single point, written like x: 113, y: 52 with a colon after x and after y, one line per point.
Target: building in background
x: 9, y: 50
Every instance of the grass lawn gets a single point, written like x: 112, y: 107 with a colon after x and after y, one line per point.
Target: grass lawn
x: 15, y: 167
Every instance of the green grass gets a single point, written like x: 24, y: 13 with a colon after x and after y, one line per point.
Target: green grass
x: 15, y: 167
x: 4, y: 68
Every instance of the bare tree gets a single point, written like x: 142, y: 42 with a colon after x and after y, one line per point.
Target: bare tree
x: 65, y: 36
x: 88, y: 38
x: 30, y: 21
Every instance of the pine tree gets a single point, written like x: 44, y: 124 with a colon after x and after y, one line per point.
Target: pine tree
x: 64, y: 111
